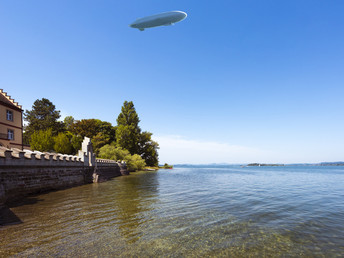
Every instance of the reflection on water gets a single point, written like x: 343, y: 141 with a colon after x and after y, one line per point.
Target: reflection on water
x: 232, y: 211
x: 133, y: 201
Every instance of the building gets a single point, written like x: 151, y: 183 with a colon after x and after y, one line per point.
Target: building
x: 11, y: 122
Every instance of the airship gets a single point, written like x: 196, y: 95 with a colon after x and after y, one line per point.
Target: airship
x: 161, y: 19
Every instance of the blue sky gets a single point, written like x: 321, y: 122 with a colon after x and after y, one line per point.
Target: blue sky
x: 237, y: 81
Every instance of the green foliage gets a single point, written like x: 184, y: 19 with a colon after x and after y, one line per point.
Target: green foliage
x: 76, y: 142
x: 149, y: 149
x: 99, y: 141
x: 135, y: 162
x: 68, y: 121
x: 100, y: 132
x: 63, y: 144
x: 112, y: 152
x: 86, y: 127
x: 167, y: 166
x: 42, y: 117
x: 129, y: 136
x: 107, y: 130
x: 91, y: 127
x: 128, y: 116
x: 42, y: 140
x: 127, y: 141
x: 128, y: 130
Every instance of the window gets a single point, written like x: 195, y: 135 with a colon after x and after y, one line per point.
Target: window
x: 10, y: 134
x: 9, y: 115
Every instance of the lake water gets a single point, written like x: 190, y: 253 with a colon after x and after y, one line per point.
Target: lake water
x: 226, y: 211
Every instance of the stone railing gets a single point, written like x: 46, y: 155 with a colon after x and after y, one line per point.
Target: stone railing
x: 108, y: 163
x: 17, y: 157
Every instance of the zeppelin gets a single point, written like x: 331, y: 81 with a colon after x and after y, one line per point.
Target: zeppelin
x: 161, y: 19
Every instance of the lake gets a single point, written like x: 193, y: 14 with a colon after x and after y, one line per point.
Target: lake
x: 188, y: 211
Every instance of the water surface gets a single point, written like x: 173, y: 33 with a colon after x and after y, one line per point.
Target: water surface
x: 227, y: 211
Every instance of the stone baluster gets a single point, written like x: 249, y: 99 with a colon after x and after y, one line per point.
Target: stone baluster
x: 63, y: 160
x: 49, y: 157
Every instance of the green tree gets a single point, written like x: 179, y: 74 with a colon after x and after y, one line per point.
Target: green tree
x: 99, y: 141
x: 42, y: 117
x: 69, y: 121
x: 76, y: 142
x: 108, y: 131
x: 135, y: 162
x: 42, y: 140
x: 112, y: 152
x: 128, y: 130
x: 91, y: 127
x: 63, y: 144
x: 149, y: 149
x: 86, y: 127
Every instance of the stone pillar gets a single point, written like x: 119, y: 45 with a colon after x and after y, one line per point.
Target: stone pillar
x: 87, y: 149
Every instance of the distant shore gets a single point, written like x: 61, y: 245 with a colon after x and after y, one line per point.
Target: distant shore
x: 302, y: 164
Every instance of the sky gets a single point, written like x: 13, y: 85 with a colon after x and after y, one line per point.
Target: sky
x: 235, y: 82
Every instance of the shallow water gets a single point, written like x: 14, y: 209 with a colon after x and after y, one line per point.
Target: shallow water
x: 227, y: 211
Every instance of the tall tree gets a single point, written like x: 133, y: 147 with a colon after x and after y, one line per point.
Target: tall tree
x: 91, y: 127
x: 42, y: 117
x: 100, y: 132
x: 128, y: 130
x: 69, y: 121
x: 86, y: 127
x: 149, y: 149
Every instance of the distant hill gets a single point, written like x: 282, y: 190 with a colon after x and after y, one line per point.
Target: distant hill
x: 224, y: 165
x: 264, y: 165
x: 338, y: 163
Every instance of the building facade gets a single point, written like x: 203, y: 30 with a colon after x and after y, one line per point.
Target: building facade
x: 11, y: 122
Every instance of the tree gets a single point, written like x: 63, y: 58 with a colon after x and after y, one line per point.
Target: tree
x: 128, y: 130
x: 91, y: 127
x: 112, y: 152
x: 62, y: 144
x: 86, y: 127
x: 42, y: 140
x: 149, y: 149
x: 108, y: 131
x: 135, y: 162
x: 42, y: 117
x: 69, y: 121
x: 76, y: 142
x: 99, y: 141
x: 129, y: 136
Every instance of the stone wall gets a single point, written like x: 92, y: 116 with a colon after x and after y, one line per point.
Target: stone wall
x: 106, y: 169
x: 17, y: 181
x: 24, y: 172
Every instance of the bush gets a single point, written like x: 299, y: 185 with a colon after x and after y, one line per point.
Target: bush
x: 62, y: 144
x: 112, y: 152
x: 42, y: 140
x: 76, y: 142
x: 135, y: 162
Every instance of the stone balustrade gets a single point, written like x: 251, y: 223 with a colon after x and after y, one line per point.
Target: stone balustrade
x: 17, y: 157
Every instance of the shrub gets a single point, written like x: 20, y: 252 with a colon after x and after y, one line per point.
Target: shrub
x: 135, y: 162
x: 62, y: 144
x: 112, y: 152
x: 42, y: 140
